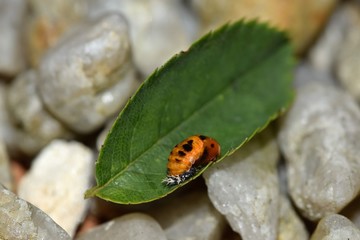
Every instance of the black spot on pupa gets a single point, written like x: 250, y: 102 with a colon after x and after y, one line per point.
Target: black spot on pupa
x: 181, y: 153
x: 212, y: 145
x: 187, y: 147
x: 190, y: 142
x: 202, y: 137
x: 177, y: 160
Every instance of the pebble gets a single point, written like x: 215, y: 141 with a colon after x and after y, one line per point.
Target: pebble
x: 348, y: 60
x: 21, y: 220
x: 291, y: 226
x: 48, y: 22
x: 158, y: 28
x: 34, y: 127
x: 5, y: 174
x: 12, y: 19
x: 134, y: 226
x: 191, y: 216
x: 335, y: 227
x: 245, y: 188
x: 57, y: 180
x: 324, y: 52
x: 89, y: 76
x: 7, y: 135
x: 302, y: 19
x: 306, y: 73
x: 319, y: 139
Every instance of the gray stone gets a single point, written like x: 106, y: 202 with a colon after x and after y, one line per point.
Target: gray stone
x: 134, y: 226
x: 57, y: 180
x: 335, y: 227
x: 34, y: 126
x: 5, y: 174
x: 291, y: 226
x: 348, y: 60
x: 319, y: 138
x: 306, y: 73
x: 324, y: 53
x: 89, y: 76
x: 158, y: 28
x: 22, y: 221
x: 245, y: 188
x: 190, y: 217
x: 12, y: 18
x: 47, y: 23
x: 7, y: 134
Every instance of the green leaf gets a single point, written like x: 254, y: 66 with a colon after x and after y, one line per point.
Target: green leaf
x: 228, y: 86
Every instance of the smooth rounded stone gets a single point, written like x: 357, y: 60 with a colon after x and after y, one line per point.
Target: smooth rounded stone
x: 324, y: 53
x: 158, y: 28
x: 245, y: 188
x: 348, y: 60
x: 290, y: 225
x: 57, y: 180
x: 21, y: 220
x: 305, y: 73
x: 301, y: 19
x: 12, y: 19
x: 335, y: 227
x: 319, y: 138
x: 190, y: 217
x: 5, y: 173
x: 89, y: 76
x: 48, y: 22
x: 34, y: 126
x: 134, y: 226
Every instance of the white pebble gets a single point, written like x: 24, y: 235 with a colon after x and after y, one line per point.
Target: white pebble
x: 319, y: 138
x: 245, y: 188
x: 57, y: 181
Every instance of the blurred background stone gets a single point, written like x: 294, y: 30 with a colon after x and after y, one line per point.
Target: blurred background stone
x: 290, y: 225
x: 190, y: 217
x: 348, y: 60
x: 134, y: 226
x: 335, y: 227
x: 7, y: 134
x: 319, y: 138
x: 5, y: 174
x: 57, y: 180
x: 48, y: 22
x: 33, y: 126
x: 323, y: 54
x: 302, y: 19
x: 12, y: 19
x: 89, y: 76
x: 245, y: 188
x: 158, y: 28
x: 22, y: 221
x: 306, y: 73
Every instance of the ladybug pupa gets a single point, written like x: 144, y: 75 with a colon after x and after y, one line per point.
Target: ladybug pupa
x: 189, y: 156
